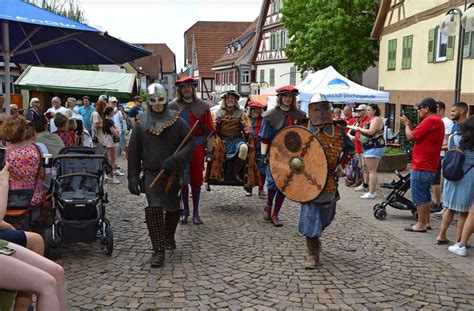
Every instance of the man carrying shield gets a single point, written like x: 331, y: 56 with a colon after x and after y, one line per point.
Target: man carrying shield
x: 284, y: 114
x: 153, y: 144
x: 316, y: 215
x: 192, y: 109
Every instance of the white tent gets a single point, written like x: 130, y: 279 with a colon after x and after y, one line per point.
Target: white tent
x: 337, y: 88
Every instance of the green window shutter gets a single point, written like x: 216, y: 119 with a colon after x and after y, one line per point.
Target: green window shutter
x: 472, y: 44
x: 466, y: 51
x: 262, y: 75
x: 410, y: 51
x: 272, y: 41
x: 431, y: 45
x: 293, y: 76
x: 278, y: 39
x: 450, y: 48
x: 407, y: 51
x: 392, y: 54
x: 272, y: 77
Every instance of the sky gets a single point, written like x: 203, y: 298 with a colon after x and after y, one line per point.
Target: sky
x: 163, y: 21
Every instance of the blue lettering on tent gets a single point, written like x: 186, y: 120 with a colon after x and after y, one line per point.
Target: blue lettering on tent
x: 338, y: 84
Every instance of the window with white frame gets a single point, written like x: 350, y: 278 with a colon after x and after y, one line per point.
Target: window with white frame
x: 441, y: 46
x: 245, y: 76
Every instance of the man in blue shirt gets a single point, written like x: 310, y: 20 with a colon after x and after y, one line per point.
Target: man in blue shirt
x: 136, y: 110
x: 86, y: 112
x: 458, y: 115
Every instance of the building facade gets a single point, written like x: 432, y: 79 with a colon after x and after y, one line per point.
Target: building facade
x: 416, y: 60
x: 204, y: 44
x: 271, y: 68
x: 160, y: 67
x: 233, y: 69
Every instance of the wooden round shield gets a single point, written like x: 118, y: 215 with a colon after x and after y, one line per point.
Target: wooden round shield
x: 298, y: 164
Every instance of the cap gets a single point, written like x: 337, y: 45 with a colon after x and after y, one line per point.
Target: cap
x: 287, y: 89
x: 34, y: 100
x: 231, y: 92
x: 113, y: 99
x: 103, y: 97
x: 255, y: 104
x: 427, y: 102
x: 318, y: 98
x: 361, y: 107
x: 186, y: 81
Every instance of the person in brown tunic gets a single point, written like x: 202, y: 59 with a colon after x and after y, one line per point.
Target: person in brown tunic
x: 316, y: 215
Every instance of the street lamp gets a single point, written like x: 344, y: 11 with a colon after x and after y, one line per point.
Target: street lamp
x: 449, y: 27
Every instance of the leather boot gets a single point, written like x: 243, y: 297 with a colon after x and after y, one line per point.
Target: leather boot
x: 156, y: 229
x: 171, y: 223
x: 314, y: 247
x: 238, y: 164
x: 157, y: 259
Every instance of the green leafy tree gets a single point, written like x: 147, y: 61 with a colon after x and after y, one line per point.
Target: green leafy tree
x: 331, y: 33
x: 71, y: 10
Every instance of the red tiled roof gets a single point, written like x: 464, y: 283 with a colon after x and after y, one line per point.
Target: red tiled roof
x: 210, y: 40
x: 151, y: 64
x: 230, y: 58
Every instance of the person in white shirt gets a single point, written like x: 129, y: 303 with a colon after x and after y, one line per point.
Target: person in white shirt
x: 437, y: 207
x: 117, y: 118
x: 51, y: 112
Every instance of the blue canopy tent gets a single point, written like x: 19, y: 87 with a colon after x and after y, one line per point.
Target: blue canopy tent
x: 32, y: 35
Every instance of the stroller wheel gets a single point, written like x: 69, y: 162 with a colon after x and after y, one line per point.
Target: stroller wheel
x: 415, y: 214
x: 109, y: 246
x: 48, y: 242
x: 380, y: 213
x: 378, y: 206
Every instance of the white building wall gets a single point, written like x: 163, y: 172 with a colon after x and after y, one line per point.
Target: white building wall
x: 282, y: 76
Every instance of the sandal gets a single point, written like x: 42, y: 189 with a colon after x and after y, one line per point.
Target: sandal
x: 442, y: 242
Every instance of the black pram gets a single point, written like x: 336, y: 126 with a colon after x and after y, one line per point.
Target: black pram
x: 78, y: 199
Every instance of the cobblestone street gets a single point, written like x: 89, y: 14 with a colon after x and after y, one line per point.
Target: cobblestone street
x: 237, y: 261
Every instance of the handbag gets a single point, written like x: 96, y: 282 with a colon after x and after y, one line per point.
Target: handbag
x: 364, y: 139
x: 20, y: 199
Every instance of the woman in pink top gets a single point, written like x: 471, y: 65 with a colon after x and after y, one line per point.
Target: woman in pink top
x: 23, y: 158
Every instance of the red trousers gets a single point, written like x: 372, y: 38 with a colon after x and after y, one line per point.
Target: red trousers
x: 196, y: 167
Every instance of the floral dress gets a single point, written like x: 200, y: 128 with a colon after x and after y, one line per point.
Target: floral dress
x: 24, y: 163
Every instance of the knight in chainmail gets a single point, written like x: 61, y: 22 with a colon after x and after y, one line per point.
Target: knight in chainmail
x: 284, y: 114
x: 316, y: 215
x: 153, y: 143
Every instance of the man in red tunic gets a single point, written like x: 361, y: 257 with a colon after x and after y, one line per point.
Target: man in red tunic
x: 192, y: 109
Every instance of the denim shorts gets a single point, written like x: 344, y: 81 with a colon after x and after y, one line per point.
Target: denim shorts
x: 420, y: 182
x: 14, y: 236
x: 376, y: 153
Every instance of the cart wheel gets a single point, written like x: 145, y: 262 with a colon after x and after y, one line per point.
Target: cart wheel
x: 380, y: 213
x: 109, y: 247
x: 48, y: 242
x: 415, y: 214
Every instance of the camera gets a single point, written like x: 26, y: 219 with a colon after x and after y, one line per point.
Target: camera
x: 116, y: 139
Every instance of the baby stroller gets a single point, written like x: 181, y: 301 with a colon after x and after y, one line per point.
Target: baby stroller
x: 396, y: 197
x: 78, y: 199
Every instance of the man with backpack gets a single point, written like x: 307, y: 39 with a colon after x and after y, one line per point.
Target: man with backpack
x: 428, y: 137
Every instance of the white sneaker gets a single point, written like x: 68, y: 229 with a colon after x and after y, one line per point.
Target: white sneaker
x: 361, y: 188
x: 113, y: 180
x: 458, y: 249
x: 119, y: 173
x: 368, y: 195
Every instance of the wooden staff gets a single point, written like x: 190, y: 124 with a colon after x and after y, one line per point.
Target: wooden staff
x: 181, y: 146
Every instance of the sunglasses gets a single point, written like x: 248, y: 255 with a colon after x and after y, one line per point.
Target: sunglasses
x: 421, y: 107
